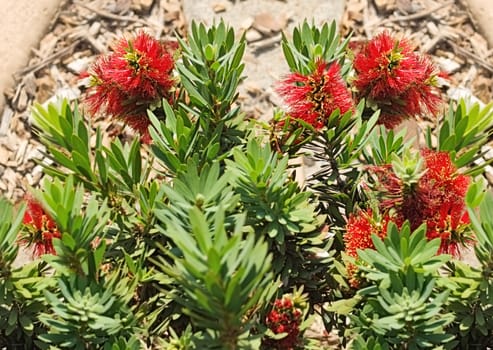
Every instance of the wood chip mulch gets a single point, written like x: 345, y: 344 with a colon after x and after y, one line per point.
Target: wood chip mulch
x: 84, y: 29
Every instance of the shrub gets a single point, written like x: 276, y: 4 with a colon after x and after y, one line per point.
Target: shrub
x: 192, y: 232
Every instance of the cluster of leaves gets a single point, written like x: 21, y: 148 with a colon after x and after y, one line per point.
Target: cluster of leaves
x: 186, y: 241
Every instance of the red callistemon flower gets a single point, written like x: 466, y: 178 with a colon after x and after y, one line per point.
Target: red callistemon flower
x: 40, y: 227
x: 285, y: 317
x: 441, y: 184
x: 359, y: 228
x: 395, y: 79
x: 131, y: 79
x: 142, y: 66
x: 439, y: 200
x: 312, y: 98
x: 451, y: 225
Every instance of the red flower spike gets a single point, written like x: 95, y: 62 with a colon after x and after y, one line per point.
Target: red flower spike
x: 285, y: 317
x: 388, y: 185
x: 359, y: 229
x: 449, y: 225
x: 142, y: 66
x: 41, y: 228
x: 313, y: 98
x: 440, y: 194
x: 436, y: 199
x: 398, y: 81
x: 131, y: 80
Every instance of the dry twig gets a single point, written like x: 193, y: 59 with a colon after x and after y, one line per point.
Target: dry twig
x: 415, y: 16
x: 471, y: 55
x: 110, y: 15
x: 47, y: 60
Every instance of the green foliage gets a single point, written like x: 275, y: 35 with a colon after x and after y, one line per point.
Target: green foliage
x: 463, y: 132
x: 80, y: 221
x: 401, y: 306
x: 471, y: 301
x: 210, y: 71
x: 471, y: 287
x: 9, y: 227
x: 279, y: 212
x: 338, y: 150
x: 223, y: 276
x: 107, y: 170
x: 207, y: 190
x: 401, y: 251
x: 183, y: 243
x: 483, y: 225
x: 65, y: 134
x: 21, y: 296
x: 211, y: 68
x: 384, y: 145
x: 310, y: 44
x: 179, y: 140
x: 271, y: 199
x: 85, y: 313
x: 21, y: 301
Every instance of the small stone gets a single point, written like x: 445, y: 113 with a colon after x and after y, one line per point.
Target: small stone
x: 5, y: 121
x: 142, y: 5
x: 448, y: 65
x: 70, y: 93
x: 21, y: 151
x: 385, y: 5
x: 4, y: 155
x: 79, y: 65
x: 432, y: 28
x: 246, y: 23
x: 253, y: 35
x: 46, y: 87
x: 267, y: 24
x: 219, y: 7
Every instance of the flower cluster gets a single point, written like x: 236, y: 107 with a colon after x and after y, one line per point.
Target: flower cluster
x: 437, y: 198
x: 285, y: 317
x: 40, y: 227
x: 395, y: 79
x: 313, y: 98
x: 131, y: 79
x: 389, y: 75
x: 359, y: 229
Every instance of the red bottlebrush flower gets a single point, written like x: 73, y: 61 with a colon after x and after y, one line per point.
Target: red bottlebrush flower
x: 440, y: 185
x: 451, y: 225
x: 285, y: 317
x: 360, y: 227
x: 439, y: 199
x: 41, y: 229
x: 398, y: 81
x: 131, y: 79
x: 142, y: 66
x: 312, y: 98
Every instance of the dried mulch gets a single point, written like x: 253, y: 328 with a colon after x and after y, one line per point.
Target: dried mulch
x: 84, y: 29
